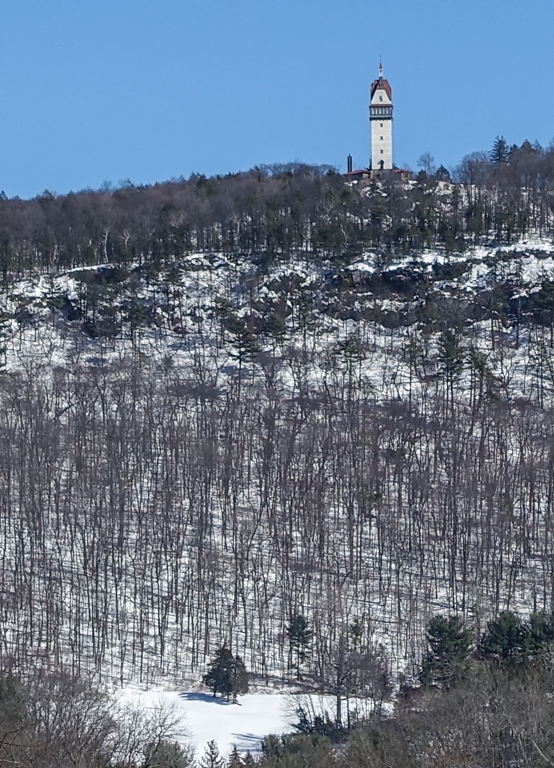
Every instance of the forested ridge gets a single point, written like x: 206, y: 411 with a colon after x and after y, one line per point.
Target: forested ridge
x: 227, y: 402
x: 275, y: 210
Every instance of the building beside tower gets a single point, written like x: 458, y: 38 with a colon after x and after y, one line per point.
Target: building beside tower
x: 380, y: 118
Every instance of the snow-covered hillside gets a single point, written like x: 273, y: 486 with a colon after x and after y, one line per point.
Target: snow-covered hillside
x: 213, y: 301
x: 191, y: 457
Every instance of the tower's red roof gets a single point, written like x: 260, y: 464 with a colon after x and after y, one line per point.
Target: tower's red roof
x: 381, y: 83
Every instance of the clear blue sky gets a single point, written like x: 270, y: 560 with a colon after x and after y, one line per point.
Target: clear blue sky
x: 105, y: 90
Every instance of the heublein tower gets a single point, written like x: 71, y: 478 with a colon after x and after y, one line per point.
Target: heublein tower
x: 380, y: 118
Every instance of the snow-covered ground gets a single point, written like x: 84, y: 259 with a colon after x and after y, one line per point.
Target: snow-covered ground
x: 203, y: 718
x: 141, y: 621
x: 198, y: 717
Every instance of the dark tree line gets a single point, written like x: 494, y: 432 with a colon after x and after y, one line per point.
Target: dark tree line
x: 274, y: 211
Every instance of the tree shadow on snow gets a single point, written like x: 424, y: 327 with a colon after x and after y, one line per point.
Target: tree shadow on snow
x: 250, y: 742
x: 206, y: 697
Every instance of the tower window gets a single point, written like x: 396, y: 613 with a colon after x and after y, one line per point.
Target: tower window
x: 382, y: 152
x: 381, y: 138
x: 380, y: 125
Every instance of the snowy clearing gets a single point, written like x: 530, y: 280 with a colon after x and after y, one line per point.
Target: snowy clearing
x: 204, y: 718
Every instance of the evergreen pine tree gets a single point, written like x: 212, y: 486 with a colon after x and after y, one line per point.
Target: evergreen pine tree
x: 300, y: 637
x: 211, y: 757
x: 506, y: 638
x: 500, y: 153
x: 239, y: 677
x: 218, y: 676
x: 443, y: 174
x: 540, y: 635
x: 226, y: 674
x: 235, y: 760
x: 449, y: 649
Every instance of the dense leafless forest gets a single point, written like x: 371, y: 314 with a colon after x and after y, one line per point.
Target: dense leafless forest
x: 229, y: 401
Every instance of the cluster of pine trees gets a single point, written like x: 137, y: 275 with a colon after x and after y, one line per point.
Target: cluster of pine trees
x: 508, y: 639
x: 226, y: 674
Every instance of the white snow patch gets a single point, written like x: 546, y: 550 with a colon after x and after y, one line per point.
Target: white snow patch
x: 205, y: 719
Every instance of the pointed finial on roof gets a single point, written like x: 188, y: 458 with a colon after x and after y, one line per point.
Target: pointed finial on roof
x: 380, y: 68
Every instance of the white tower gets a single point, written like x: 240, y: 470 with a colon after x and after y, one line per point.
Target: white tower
x: 380, y: 117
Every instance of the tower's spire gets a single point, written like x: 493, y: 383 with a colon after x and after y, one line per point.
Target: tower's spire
x: 380, y: 68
